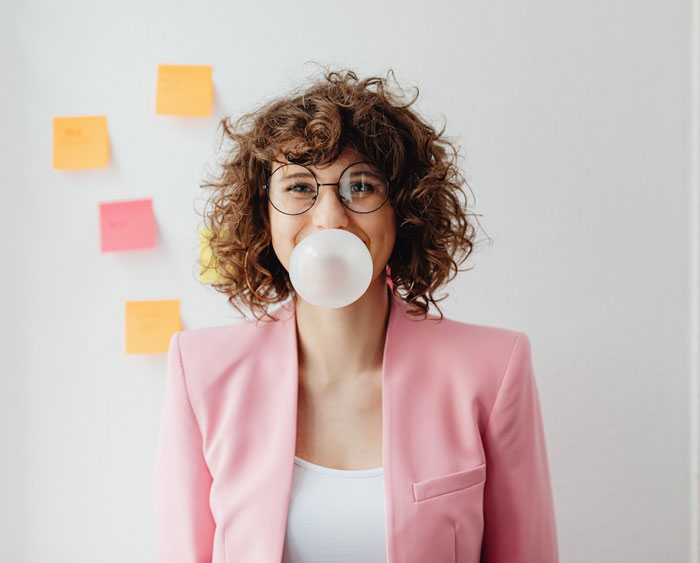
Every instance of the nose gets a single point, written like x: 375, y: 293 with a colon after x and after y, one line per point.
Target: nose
x: 328, y: 211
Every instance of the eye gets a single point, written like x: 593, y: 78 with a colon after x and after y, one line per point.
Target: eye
x: 362, y: 187
x: 302, y: 188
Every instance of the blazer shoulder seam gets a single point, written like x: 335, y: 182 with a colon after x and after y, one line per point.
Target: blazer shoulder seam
x: 518, y: 335
x: 184, y: 385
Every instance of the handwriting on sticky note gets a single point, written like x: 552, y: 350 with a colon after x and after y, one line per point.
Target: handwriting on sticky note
x: 80, y: 142
x: 207, y: 271
x: 127, y: 225
x: 184, y: 90
x: 150, y: 324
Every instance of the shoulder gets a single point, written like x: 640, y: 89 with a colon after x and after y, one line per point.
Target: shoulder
x: 497, y: 359
x: 212, y: 347
x: 481, y: 332
x: 212, y: 338
x: 455, y: 350
x: 465, y: 361
x: 449, y: 334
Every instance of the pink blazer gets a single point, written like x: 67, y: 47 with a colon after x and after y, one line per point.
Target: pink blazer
x: 465, y: 466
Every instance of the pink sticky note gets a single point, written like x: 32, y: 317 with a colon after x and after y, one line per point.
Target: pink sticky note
x: 127, y: 225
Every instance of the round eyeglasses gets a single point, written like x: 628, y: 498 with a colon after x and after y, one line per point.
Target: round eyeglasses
x: 292, y: 189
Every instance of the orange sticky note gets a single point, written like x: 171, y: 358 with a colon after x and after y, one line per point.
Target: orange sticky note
x: 184, y: 90
x: 150, y: 324
x: 80, y: 142
x: 207, y: 270
x: 127, y: 225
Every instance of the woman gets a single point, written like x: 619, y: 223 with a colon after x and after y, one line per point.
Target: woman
x: 268, y: 423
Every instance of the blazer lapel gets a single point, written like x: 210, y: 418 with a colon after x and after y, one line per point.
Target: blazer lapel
x: 275, y: 445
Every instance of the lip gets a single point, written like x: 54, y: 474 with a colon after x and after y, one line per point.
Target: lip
x: 366, y: 243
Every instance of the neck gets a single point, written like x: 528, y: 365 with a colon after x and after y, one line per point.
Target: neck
x: 345, y: 345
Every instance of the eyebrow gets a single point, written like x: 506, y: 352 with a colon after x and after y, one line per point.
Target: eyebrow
x: 367, y: 173
x: 352, y: 175
x: 298, y: 175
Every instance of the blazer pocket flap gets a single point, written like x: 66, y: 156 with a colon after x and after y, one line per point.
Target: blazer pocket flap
x: 449, y: 483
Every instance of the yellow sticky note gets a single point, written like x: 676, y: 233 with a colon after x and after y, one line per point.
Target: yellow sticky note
x: 80, y: 142
x: 207, y: 270
x: 150, y: 324
x: 184, y: 90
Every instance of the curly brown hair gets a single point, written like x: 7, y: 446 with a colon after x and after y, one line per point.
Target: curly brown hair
x: 433, y: 233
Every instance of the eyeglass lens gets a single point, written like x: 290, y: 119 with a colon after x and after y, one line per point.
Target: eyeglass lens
x: 292, y: 188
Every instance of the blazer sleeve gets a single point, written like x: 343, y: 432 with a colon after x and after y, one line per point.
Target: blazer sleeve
x: 519, y: 522
x: 184, y: 523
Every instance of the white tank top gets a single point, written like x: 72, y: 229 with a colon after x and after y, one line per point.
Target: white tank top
x: 335, y: 515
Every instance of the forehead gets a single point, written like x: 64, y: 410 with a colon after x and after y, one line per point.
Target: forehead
x: 346, y: 157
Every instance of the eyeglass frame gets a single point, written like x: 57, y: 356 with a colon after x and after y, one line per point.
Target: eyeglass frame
x: 318, y: 185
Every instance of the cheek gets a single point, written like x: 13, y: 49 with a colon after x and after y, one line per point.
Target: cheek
x: 383, y: 237
x: 282, y: 234
x: 388, y: 231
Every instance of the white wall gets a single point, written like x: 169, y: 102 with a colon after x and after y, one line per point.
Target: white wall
x: 574, y: 120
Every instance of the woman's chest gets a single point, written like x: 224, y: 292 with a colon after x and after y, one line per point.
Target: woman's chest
x: 340, y: 430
